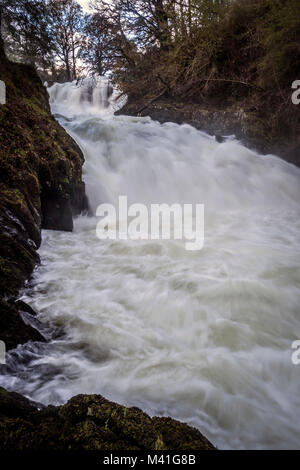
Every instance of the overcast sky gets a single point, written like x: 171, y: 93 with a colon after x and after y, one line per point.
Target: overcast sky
x: 84, y: 4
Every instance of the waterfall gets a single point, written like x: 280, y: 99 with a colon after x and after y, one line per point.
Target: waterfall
x: 204, y: 337
x: 91, y: 95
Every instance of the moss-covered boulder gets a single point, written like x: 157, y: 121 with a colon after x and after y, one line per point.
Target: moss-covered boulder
x: 89, y: 422
x: 40, y: 183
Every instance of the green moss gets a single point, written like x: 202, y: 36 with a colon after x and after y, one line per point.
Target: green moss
x: 35, y: 106
x: 90, y: 422
x: 39, y: 162
x: 13, y: 196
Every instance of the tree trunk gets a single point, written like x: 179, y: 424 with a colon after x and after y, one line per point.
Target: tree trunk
x: 162, y: 23
x: 73, y: 60
x: 68, y: 71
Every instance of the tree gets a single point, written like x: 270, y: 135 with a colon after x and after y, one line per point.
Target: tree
x: 67, y: 23
x: 96, y: 52
x: 25, y: 29
x: 45, y: 33
x: 109, y: 45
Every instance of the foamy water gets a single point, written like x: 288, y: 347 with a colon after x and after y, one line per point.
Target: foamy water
x: 205, y: 336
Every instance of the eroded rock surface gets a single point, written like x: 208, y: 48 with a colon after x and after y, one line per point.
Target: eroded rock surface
x: 89, y: 422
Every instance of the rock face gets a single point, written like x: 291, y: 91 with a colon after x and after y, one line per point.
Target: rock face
x: 89, y: 422
x: 12, y: 327
x: 40, y: 186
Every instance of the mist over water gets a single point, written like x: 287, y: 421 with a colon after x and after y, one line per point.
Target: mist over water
x: 205, y: 336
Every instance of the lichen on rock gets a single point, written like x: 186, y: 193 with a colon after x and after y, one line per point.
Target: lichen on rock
x: 90, y: 422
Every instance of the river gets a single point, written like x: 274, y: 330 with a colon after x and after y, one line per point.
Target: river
x: 202, y: 336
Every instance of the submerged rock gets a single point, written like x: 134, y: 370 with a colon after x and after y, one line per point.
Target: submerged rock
x: 89, y: 422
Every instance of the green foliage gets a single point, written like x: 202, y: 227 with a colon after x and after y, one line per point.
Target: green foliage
x: 241, y: 55
x: 280, y: 33
x: 26, y: 23
x: 190, y: 48
x: 44, y: 33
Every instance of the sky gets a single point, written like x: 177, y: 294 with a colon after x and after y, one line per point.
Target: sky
x: 84, y: 4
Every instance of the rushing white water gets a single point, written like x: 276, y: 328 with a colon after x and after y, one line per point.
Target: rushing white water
x: 202, y: 336
x: 90, y: 96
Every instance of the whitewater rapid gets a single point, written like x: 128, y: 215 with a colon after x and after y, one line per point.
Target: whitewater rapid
x: 205, y: 336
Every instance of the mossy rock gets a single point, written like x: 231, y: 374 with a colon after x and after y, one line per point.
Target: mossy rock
x: 90, y: 422
x: 40, y: 185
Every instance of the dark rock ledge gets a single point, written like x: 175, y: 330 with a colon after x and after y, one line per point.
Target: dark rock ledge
x: 89, y: 422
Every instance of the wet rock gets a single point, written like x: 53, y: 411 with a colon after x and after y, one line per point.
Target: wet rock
x: 90, y: 422
x: 57, y: 214
x: 24, y: 307
x: 219, y: 138
x: 13, y: 330
x: 40, y: 186
x: 18, y: 255
x: 13, y: 405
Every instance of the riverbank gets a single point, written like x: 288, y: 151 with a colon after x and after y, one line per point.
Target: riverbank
x: 233, y: 75
x: 90, y: 422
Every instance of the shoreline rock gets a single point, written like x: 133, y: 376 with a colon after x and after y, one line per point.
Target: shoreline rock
x: 90, y: 422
